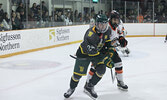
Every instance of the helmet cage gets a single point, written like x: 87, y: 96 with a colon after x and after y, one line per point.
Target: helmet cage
x: 102, y: 27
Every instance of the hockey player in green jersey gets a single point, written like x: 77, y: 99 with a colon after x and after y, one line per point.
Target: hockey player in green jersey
x: 90, y: 51
x: 115, y: 38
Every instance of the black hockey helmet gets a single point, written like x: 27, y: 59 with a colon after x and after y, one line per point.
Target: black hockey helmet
x: 102, y: 23
x: 114, y: 15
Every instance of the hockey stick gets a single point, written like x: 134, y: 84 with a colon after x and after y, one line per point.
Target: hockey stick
x: 78, y: 58
x: 112, y: 76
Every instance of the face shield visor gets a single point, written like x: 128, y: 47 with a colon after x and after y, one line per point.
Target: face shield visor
x: 102, y: 27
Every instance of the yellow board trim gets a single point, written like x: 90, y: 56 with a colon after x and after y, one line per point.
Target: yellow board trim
x: 33, y: 50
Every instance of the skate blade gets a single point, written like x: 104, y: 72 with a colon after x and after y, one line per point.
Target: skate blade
x: 126, y: 55
x: 86, y: 92
x: 122, y: 89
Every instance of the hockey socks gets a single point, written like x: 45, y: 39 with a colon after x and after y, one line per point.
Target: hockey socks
x: 120, y: 83
x: 90, y: 74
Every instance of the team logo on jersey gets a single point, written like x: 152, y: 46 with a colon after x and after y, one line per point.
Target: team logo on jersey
x: 81, y: 68
x: 90, y: 34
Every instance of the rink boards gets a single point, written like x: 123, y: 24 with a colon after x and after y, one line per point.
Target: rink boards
x: 24, y: 41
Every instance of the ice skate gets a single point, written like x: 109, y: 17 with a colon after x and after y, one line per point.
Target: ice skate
x: 122, y: 86
x: 69, y: 93
x: 89, y: 90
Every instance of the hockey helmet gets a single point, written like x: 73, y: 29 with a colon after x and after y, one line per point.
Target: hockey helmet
x: 102, y: 23
x: 116, y: 17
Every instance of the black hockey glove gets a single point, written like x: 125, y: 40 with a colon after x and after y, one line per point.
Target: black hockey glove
x: 123, y: 42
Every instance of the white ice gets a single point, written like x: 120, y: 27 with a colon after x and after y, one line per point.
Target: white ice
x: 45, y: 75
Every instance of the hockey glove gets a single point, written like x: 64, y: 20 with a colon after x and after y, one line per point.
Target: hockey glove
x: 109, y: 63
x: 106, y: 60
x: 123, y: 42
x: 110, y: 53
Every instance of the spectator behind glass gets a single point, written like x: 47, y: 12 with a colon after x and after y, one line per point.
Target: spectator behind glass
x: 14, y: 26
x: 22, y: 16
x: 55, y: 20
x: 163, y: 18
x: 45, y: 16
x: 6, y: 18
x: 93, y: 14
x: 1, y: 11
x: 75, y: 15
x: 20, y: 8
x: 63, y: 15
x: 31, y: 20
x: 31, y: 17
x: 18, y: 21
x: 5, y: 21
x: 147, y: 17
x: 140, y: 18
x: 46, y: 19
x: 38, y: 14
x: 34, y: 8
x: 86, y: 18
x: 55, y: 17
x: 59, y: 18
x: 1, y: 18
x: 44, y: 8
x: 67, y: 19
x: 71, y: 16
x: 80, y: 17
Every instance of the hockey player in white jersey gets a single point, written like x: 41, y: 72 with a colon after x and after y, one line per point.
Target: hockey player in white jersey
x: 119, y: 30
x: 122, y: 32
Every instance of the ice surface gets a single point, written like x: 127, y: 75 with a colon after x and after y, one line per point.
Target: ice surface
x: 45, y: 75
